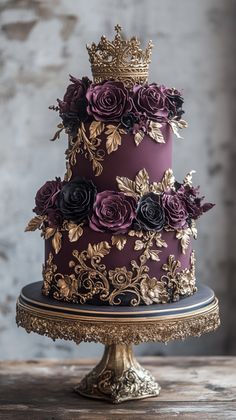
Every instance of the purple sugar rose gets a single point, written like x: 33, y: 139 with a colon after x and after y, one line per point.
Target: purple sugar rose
x: 175, y: 102
x: 112, y: 211
x: 151, y: 100
x: 175, y: 210
x: 108, y: 101
x: 150, y: 213
x: 193, y: 202
x: 46, y: 196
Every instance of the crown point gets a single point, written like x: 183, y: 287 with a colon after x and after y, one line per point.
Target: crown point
x: 118, y: 29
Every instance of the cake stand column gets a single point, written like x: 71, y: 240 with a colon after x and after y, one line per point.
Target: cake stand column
x: 118, y: 377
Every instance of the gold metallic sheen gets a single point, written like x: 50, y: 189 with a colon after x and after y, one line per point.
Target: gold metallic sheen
x: 120, y: 59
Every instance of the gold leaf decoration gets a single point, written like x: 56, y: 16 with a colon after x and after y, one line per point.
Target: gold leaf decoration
x: 142, y: 182
x: 159, y: 241
x: 49, y: 232
x: 175, y: 125
x: 97, y: 167
x: 168, y: 180
x: 56, y: 241
x: 35, y: 223
x: 68, y: 173
x: 194, y: 228
x: 188, y: 178
x: 182, y: 124
x: 98, y: 250
x: 155, y: 132
x: 184, y: 235
x: 138, y: 245
x: 113, y: 138
x: 138, y: 137
x: 156, y: 188
x: 119, y: 241
x: 154, y: 254
x: 95, y: 129
x: 126, y: 186
x: 75, y: 232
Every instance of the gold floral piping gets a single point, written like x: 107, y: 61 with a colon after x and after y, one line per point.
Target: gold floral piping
x: 91, y: 278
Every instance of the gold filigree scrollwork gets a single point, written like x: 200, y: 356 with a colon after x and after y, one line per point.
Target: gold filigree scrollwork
x: 91, y: 278
x: 49, y: 270
x: 89, y: 144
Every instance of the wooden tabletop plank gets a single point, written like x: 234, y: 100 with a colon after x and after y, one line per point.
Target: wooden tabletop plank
x: 192, y: 388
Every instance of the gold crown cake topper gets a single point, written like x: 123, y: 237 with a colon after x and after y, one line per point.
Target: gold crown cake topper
x: 120, y: 59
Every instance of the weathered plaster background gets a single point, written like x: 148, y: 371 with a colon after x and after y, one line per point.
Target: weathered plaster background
x: 41, y: 43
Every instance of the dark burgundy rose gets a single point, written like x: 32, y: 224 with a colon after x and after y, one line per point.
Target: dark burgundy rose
x: 151, y: 100
x: 73, y: 107
x: 129, y: 120
x: 54, y: 218
x: 108, y: 101
x: 46, y: 196
x: 150, y: 212
x: 75, y: 97
x: 175, y: 210
x: 71, y: 122
x: 76, y: 199
x: 112, y: 211
x: 175, y: 102
x: 193, y: 202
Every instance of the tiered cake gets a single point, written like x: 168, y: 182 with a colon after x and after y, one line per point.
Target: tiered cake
x: 118, y: 228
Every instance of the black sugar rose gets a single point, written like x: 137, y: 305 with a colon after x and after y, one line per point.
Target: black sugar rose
x: 46, y: 196
x: 129, y: 120
x: 175, y: 210
x: 150, y: 212
x: 175, y: 102
x: 151, y: 100
x: 113, y: 211
x: 108, y: 101
x: 76, y: 199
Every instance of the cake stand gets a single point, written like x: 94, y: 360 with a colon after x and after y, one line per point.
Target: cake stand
x: 118, y: 376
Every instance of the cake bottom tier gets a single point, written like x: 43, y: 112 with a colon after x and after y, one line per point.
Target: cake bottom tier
x: 140, y: 268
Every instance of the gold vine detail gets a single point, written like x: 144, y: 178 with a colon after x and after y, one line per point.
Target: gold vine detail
x: 91, y: 278
x: 90, y: 145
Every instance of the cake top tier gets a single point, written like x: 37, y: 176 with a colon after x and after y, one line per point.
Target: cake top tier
x: 120, y: 59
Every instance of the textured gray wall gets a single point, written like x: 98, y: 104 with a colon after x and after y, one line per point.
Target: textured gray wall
x: 41, y: 43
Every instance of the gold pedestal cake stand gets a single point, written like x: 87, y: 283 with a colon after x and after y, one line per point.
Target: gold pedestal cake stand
x: 118, y: 376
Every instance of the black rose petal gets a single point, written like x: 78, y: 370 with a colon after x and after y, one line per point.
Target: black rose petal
x: 150, y: 212
x: 76, y: 199
x: 128, y: 120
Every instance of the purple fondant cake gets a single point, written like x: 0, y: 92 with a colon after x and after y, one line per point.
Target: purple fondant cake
x: 118, y: 228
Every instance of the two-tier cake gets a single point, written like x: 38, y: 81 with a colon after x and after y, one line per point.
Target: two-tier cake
x: 118, y: 228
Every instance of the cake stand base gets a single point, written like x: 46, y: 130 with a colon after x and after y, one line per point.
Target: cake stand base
x: 118, y: 377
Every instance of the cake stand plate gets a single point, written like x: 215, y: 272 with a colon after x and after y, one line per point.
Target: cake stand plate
x: 118, y: 376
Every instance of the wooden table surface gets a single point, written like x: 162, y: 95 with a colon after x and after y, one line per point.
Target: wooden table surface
x: 192, y: 388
